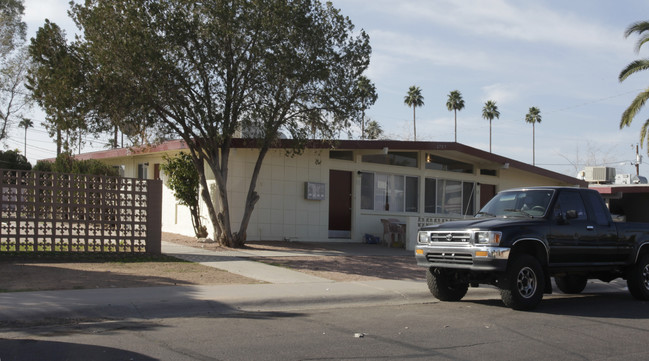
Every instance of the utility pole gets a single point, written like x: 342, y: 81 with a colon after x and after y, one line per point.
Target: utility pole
x: 638, y: 160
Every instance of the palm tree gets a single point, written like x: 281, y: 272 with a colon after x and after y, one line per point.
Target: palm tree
x: 455, y: 103
x: 373, y: 130
x: 414, y: 99
x: 26, y: 123
x: 367, y: 93
x: 634, y: 67
x: 490, y: 111
x: 533, y: 116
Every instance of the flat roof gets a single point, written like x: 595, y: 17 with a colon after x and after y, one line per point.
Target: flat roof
x: 606, y: 189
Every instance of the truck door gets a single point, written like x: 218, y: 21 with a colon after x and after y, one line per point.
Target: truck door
x: 568, y: 224
x: 605, y: 247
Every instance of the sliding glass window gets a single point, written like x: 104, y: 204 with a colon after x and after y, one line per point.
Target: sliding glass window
x: 444, y: 196
x: 389, y: 192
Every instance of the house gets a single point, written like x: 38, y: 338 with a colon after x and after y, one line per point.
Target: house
x: 342, y: 191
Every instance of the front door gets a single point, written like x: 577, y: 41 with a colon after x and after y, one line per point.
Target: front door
x: 340, y: 204
x: 487, y: 191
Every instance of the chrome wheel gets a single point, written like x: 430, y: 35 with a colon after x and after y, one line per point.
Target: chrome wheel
x: 526, y: 282
x: 645, y: 276
x: 523, y: 284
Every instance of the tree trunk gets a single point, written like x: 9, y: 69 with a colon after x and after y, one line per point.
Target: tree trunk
x: 58, y: 141
x: 252, y: 197
x: 205, y: 192
x: 455, y: 111
x: 414, y: 123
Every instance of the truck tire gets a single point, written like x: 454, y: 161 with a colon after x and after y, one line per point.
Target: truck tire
x: 524, y: 284
x: 571, y: 284
x: 638, y: 279
x: 443, y: 285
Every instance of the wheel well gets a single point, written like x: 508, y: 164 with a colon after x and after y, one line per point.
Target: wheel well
x: 532, y: 247
x: 644, y: 249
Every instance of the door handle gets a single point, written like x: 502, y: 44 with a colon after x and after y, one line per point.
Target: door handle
x: 590, y: 228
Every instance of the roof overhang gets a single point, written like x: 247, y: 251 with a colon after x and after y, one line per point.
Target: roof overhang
x: 450, y: 148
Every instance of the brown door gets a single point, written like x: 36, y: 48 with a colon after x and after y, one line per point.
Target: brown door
x: 340, y: 204
x: 487, y: 191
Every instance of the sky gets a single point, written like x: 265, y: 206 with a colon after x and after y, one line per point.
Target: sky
x: 563, y: 57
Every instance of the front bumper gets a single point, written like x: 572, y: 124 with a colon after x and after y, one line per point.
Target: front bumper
x: 465, y: 256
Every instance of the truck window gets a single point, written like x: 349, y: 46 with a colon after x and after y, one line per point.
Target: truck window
x: 569, y: 201
x: 599, y: 208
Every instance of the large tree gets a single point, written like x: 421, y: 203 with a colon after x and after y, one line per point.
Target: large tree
x: 61, y: 82
x: 489, y: 112
x: 455, y: 103
x: 642, y: 29
x: 204, y: 70
x: 13, y: 65
x: 532, y: 117
x: 414, y: 99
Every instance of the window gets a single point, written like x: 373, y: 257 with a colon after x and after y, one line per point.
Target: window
x: 430, y: 195
x: 599, y: 208
x: 404, y: 159
x: 491, y: 172
x: 389, y: 192
x: 449, y: 197
x: 450, y: 165
x: 571, y: 201
x: 341, y: 155
x: 142, y: 170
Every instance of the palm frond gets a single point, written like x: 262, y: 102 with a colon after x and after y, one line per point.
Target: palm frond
x: 643, y: 39
x: 643, y: 132
x: 633, y: 67
x: 633, y: 109
x: 637, y: 27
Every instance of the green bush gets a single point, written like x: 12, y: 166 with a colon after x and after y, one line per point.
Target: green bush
x: 65, y: 163
x: 12, y: 159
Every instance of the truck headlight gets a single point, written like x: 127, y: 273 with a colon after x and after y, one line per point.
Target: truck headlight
x: 488, y: 237
x: 423, y: 237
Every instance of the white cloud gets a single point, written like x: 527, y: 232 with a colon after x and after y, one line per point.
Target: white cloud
x: 525, y: 21
x: 501, y: 93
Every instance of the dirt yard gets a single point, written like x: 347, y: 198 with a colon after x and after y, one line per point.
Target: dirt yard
x: 36, y: 275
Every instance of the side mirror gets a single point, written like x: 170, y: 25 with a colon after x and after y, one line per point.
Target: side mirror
x: 562, y: 218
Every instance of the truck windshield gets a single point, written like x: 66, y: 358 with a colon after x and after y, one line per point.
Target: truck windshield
x: 518, y: 203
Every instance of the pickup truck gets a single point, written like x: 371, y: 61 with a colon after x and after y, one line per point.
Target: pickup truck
x: 523, y: 237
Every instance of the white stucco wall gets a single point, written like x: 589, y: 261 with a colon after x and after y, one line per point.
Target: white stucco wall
x: 282, y: 211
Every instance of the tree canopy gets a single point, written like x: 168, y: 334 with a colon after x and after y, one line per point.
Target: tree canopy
x: 12, y: 159
x: 366, y: 91
x: 205, y: 70
x: 14, y: 61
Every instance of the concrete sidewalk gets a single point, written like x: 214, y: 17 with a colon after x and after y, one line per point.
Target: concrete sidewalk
x: 286, y: 290
x: 237, y: 262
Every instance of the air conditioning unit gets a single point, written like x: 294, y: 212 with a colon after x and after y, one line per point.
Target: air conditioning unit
x: 599, y: 174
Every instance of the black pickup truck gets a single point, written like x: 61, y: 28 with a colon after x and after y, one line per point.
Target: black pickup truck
x: 522, y: 237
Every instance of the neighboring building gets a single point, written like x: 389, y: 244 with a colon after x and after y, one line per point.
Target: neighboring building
x: 626, y: 195
x: 342, y: 192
